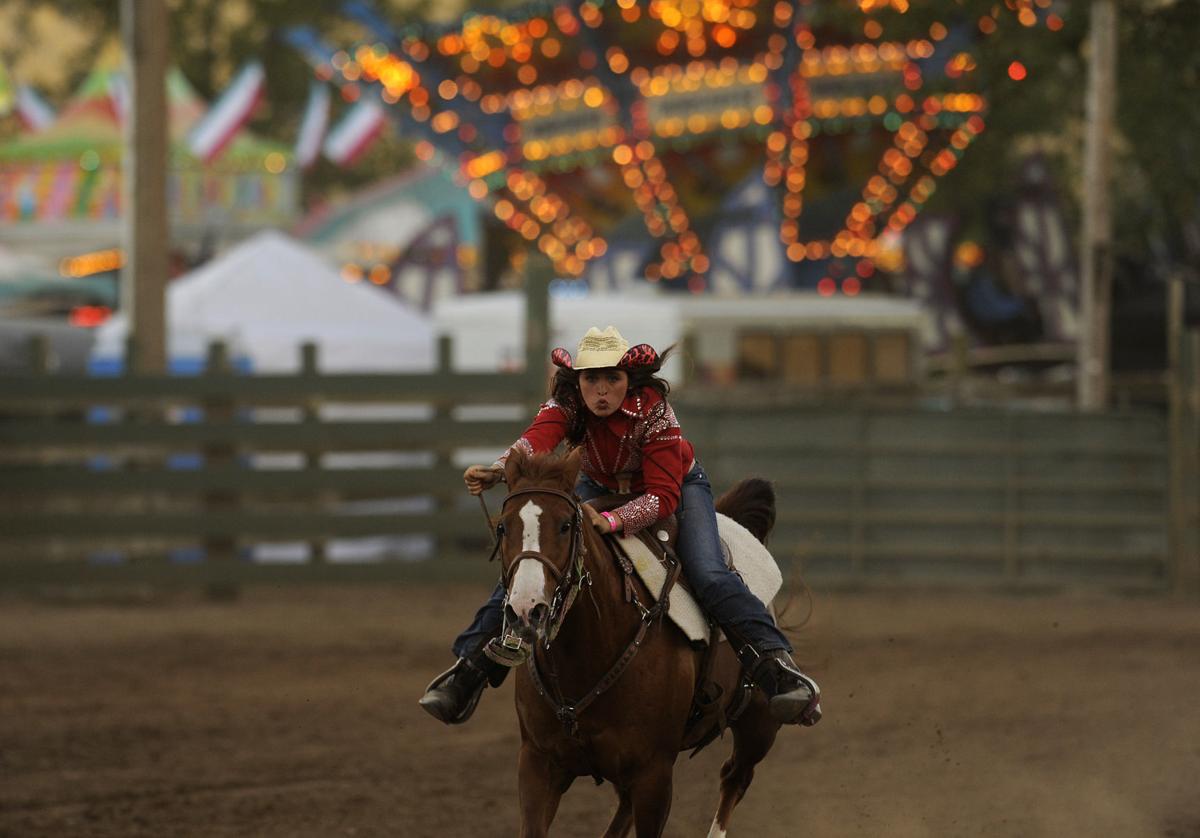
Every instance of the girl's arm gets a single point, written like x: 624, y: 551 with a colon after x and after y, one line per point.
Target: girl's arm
x: 543, y: 434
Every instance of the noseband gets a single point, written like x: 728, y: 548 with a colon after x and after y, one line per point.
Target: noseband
x: 568, y: 582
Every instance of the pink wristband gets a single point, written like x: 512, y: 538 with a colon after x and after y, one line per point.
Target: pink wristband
x: 612, y: 521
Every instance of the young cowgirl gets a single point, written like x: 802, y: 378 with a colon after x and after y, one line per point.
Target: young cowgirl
x: 609, y: 400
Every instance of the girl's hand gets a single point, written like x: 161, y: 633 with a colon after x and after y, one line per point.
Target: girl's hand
x: 480, y: 478
x: 601, y: 523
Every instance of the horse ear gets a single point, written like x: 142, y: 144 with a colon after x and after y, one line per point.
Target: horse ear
x: 572, y: 463
x: 514, y: 466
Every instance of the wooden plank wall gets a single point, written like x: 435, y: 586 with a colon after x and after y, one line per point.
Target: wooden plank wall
x: 866, y: 494
x: 989, y: 495
x: 133, y: 469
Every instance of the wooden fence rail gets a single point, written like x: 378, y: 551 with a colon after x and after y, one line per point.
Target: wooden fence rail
x: 142, y: 465
x: 989, y: 495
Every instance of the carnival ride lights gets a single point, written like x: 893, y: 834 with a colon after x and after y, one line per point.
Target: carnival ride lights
x: 784, y: 94
x: 87, y: 264
x: 89, y: 317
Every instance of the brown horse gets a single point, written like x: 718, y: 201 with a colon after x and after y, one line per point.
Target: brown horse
x: 609, y: 687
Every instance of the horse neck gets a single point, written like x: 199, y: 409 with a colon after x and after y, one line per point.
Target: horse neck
x: 592, y: 637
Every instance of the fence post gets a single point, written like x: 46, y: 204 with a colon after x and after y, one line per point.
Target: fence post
x: 1183, y: 361
x: 443, y: 456
x: 960, y: 368
x: 858, y: 495
x: 1012, y: 566
x: 132, y: 351
x: 39, y: 364
x: 538, y: 273
x: 220, y: 547
x: 318, y: 547
x: 1191, y: 520
x: 39, y: 354
x: 690, y: 361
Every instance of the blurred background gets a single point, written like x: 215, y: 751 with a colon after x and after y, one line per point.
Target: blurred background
x: 273, y: 273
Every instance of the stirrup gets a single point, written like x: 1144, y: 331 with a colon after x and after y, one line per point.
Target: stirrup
x: 793, y: 697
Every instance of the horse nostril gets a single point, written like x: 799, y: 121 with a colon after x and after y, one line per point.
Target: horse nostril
x: 538, y: 614
x: 510, y: 616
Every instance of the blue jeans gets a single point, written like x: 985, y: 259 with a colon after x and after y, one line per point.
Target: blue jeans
x: 721, y: 592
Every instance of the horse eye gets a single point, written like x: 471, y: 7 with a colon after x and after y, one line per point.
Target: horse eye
x: 566, y: 527
x: 500, y: 529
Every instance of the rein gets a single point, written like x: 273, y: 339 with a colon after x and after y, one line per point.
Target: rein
x: 567, y: 712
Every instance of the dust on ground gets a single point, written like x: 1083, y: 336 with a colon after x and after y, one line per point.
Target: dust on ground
x: 292, y: 712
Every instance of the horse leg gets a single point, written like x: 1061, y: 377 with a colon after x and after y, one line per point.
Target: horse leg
x: 753, y: 735
x: 650, y: 794
x: 623, y: 819
x: 541, y: 786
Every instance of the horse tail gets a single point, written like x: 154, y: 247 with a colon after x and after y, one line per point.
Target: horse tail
x: 752, y: 504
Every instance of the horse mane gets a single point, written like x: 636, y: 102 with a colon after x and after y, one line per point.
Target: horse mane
x: 752, y: 504
x: 547, y: 467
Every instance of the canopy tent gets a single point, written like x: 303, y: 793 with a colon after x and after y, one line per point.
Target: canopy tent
x: 488, y: 330
x: 269, y: 295
x: 16, y: 265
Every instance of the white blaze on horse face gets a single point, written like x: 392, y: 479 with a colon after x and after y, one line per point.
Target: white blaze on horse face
x: 531, y: 527
x: 529, y: 581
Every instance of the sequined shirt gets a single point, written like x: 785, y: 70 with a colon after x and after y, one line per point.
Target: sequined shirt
x: 639, y: 445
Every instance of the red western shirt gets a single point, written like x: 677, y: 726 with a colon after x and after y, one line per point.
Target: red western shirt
x: 640, y: 445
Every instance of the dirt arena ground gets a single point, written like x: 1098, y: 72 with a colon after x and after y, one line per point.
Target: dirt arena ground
x: 292, y: 712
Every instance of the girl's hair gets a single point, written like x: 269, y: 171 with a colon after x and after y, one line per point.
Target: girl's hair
x: 564, y: 389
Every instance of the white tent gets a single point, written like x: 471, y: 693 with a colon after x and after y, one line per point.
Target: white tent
x: 269, y: 295
x: 488, y: 330
x: 16, y: 265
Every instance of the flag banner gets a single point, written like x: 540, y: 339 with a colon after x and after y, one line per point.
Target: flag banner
x: 312, y: 127
x: 35, y: 114
x: 218, y: 127
x: 118, y: 94
x: 355, y: 132
x: 57, y: 203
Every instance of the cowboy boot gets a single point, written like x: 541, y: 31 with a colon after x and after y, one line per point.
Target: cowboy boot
x: 453, y: 696
x: 793, y: 697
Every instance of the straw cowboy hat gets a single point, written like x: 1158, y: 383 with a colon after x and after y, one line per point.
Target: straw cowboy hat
x: 603, y: 349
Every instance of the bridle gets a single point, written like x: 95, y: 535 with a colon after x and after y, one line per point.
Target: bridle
x: 567, y: 583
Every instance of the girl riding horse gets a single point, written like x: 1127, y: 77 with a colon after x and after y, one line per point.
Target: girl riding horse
x: 609, y: 401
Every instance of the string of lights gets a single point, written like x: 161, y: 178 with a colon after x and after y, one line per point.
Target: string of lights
x: 514, y: 100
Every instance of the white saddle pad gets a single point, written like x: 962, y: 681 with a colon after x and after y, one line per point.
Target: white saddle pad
x: 751, y: 560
